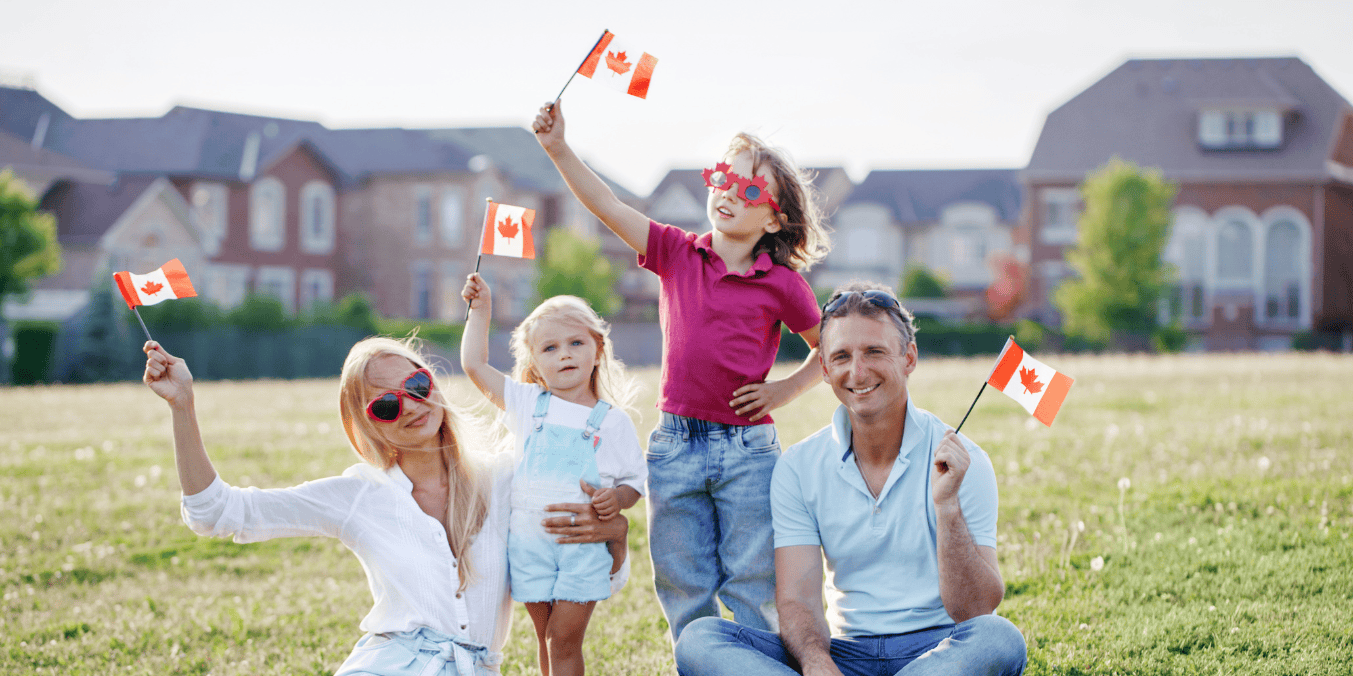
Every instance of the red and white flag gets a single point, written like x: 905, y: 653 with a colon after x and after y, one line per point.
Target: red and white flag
x: 619, y: 66
x: 1036, y: 386
x: 507, y: 231
x: 170, y: 281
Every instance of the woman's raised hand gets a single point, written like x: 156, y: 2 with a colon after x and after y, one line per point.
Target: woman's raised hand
x: 167, y: 375
x: 476, y: 292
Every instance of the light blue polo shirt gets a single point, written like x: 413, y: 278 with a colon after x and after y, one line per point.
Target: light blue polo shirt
x: 882, y: 569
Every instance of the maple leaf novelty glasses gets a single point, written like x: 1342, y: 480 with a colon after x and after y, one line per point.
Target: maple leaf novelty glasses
x: 751, y: 190
x: 389, y: 406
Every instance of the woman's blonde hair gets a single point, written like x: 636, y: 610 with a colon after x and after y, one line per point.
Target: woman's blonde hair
x: 466, y: 479
x: 803, y: 237
x: 609, y: 382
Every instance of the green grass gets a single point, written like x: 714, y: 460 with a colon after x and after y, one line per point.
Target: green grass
x: 1227, y: 551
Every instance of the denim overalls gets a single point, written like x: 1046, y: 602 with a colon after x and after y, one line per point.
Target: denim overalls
x: 555, y: 458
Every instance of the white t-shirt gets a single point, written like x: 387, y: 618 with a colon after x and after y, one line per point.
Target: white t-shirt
x: 620, y: 460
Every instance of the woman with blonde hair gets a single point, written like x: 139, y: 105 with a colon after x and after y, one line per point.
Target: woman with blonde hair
x: 425, y: 513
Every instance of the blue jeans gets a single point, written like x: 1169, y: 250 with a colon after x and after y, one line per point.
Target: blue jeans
x: 986, y: 644
x: 421, y: 652
x: 709, y: 523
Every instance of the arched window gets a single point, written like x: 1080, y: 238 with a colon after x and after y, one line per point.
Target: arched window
x: 1187, y: 251
x: 453, y: 217
x: 317, y: 218
x: 1235, y: 254
x: 1282, y: 273
x: 267, y: 215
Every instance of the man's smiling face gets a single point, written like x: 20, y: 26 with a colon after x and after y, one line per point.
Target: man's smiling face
x: 865, y: 362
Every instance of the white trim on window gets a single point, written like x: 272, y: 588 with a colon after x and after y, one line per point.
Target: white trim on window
x: 452, y: 215
x: 210, y: 214
x: 279, y: 282
x: 422, y: 215
x: 1061, y: 211
x: 267, y: 215
x: 317, y: 286
x: 1271, y: 218
x: 318, y: 211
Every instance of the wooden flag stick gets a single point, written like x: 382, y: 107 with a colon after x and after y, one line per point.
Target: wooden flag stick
x: 580, y: 65
x: 143, y: 324
x: 974, y: 402
x: 482, y: 234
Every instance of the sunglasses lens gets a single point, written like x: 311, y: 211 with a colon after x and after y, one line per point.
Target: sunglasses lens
x: 718, y: 179
x: 418, y: 385
x: 752, y: 193
x: 386, y: 407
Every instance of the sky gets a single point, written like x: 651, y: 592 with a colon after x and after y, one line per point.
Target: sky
x: 899, y: 84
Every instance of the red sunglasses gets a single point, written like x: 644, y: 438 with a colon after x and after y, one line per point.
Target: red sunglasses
x: 389, y: 406
x: 751, y: 190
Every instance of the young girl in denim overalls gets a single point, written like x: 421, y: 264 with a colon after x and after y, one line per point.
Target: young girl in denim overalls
x: 573, y: 447
x: 724, y: 296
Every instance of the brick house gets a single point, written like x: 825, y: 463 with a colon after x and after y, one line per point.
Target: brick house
x: 1262, y: 151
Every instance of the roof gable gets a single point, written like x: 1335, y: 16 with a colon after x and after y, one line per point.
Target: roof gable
x: 920, y: 196
x: 1146, y: 111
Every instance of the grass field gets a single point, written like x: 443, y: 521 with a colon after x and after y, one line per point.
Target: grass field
x: 1186, y: 515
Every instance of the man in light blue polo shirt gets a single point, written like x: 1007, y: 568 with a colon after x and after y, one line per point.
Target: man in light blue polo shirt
x: 902, y: 509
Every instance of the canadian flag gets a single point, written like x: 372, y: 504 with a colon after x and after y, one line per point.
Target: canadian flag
x: 619, y: 66
x: 507, y: 231
x: 170, y: 281
x: 1036, y: 386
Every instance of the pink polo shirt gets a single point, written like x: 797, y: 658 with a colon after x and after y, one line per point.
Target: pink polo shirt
x: 721, y: 330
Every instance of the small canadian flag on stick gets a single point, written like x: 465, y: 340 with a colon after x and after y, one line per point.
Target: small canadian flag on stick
x: 170, y: 281
x: 507, y: 231
x: 1037, y: 387
x: 619, y: 66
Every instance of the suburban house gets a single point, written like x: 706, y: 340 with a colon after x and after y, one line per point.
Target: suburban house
x: 1262, y: 152
x: 304, y: 213
x: 952, y: 221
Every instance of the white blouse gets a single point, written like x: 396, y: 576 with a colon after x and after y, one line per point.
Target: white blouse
x: 414, y: 579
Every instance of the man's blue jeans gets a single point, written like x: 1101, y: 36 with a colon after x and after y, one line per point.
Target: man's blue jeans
x: 987, y: 644
x: 709, y: 527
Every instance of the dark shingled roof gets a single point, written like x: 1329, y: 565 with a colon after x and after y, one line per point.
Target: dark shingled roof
x: 22, y: 109
x: 1146, y: 111
x: 85, y: 211
x: 515, y: 151
x: 918, y: 196
x: 359, y: 153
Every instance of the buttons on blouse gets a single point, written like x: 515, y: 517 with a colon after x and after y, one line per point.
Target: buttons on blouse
x: 463, y: 626
x: 459, y: 594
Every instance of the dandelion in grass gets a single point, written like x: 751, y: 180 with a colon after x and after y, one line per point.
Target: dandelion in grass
x: 1097, y: 564
x: 1264, y: 463
x: 140, y: 481
x: 155, y: 472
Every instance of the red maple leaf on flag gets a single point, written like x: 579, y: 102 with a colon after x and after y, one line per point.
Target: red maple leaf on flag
x: 151, y: 288
x: 1029, y: 380
x: 617, y: 63
x: 507, y: 228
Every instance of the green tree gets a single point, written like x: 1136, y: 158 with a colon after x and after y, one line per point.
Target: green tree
x: 1118, y: 250
x: 920, y: 282
x: 575, y: 266
x: 259, y: 312
x: 28, y: 248
x: 105, y: 347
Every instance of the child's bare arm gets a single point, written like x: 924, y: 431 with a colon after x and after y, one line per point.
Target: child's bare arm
x: 474, y: 344
x: 606, y: 503
x: 621, y: 218
x: 758, y: 399
x: 626, y: 496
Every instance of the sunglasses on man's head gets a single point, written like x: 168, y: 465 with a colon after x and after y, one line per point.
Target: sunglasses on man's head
x: 751, y: 190
x: 876, y: 297
x: 389, y: 406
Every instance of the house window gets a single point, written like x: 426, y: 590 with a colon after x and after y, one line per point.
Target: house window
x: 278, y: 282
x: 422, y: 228
x: 1240, y: 129
x: 453, y: 217
x: 209, y: 214
x: 267, y: 215
x: 1235, y: 254
x: 422, y: 290
x: 317, y: 286
x: 863, y: 246
x: 1061, y: 209
x: 317, y: 218
x: 1282, y: 276
x: 968, y: 247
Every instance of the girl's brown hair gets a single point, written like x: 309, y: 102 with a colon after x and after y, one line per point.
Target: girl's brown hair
x: 803, y: 238
x: 466, y: 479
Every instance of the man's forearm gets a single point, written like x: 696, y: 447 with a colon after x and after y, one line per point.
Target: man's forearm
x: 806, y: 637
x: 970, y: 584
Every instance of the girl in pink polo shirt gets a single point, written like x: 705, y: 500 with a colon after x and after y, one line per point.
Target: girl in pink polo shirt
x: 724, y: 295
